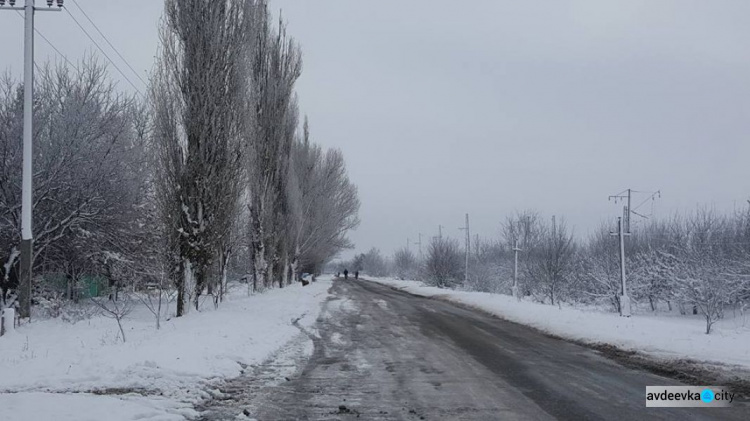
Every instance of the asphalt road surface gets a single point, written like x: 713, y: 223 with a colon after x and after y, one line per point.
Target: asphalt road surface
x: 382, y: 354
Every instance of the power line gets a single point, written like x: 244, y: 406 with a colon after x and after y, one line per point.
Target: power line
x: 102, y: 51
x: 110, y: 44
x: 38, y: 32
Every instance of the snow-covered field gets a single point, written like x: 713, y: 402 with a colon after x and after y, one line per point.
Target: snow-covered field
x: 658, y: 335
x: 48, y: 369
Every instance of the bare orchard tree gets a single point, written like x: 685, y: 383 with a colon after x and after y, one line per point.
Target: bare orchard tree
x: 523, y: 229
x: 551, y: 261
x: 197, y: 97
x: 490, y: 269
x: 405, y: 264
x: 709, y: 283
x: 444, y: 262
x: 708, y: 277
x: 598, y: 270
x: 374, y: 264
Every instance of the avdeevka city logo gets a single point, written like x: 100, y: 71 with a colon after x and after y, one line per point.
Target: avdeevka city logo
x: 688, y: 396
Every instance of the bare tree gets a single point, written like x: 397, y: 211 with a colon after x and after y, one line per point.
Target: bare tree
x: 598, y: 269
x: 198, y: 99
x: 276, y: 64
x: 323, y: 205
x: 85, y: 189
x: 115, y: 309
x: 443, y: 265
x: 405, y: 264
x: 523, y: 229
x: 551, y: 261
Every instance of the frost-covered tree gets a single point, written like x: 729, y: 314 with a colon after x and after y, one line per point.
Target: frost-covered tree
x: 707, y: 274
x: 598, y: 270
x: 524, y: 229
x: 373, y: 263
x: 275, y: 65
x: 405, y: 264
x: 88, y: 182
x: 551, y: 261
x: 323, y: 205
x: 198, y: 101
x: 444, y: 263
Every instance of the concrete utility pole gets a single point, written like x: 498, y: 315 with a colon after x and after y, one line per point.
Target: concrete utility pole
x: 440, y: 230
x: 420, y: 244
x: 623, y: 230
x: 27, y: 245
x: 515, y: 270
x: 468, y: 248
x: 624, y: 298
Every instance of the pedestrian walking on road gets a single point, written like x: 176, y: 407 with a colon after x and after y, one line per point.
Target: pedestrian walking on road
x: 346, y: 274
x: 356, y: 274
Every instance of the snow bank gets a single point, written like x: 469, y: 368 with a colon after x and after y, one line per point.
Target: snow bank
x: 660, y: 336
x: 179, y: 364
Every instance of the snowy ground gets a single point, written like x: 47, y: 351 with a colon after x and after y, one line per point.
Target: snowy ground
x: 54, y: 370
x: 660, y: 336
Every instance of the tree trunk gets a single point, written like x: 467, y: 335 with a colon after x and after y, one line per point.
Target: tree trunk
x: 294, y: 267
x: 285, y: 269
x: 200, y: 281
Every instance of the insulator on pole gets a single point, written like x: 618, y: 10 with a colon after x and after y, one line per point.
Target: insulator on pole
x: 49, y: 3
x: 60, y: 3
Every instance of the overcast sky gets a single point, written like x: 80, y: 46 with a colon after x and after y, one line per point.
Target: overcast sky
x: 445, y: 107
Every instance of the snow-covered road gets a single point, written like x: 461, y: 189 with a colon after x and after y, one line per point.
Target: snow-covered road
x: 382, y: 354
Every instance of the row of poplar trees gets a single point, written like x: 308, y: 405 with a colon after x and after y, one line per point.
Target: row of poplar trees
x: 235, y: 172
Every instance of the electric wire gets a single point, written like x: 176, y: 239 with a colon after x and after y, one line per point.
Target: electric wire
x: 109, y: 43
x: 38, y: 32
x: 103, y: 52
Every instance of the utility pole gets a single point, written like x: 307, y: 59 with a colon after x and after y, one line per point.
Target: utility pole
x: 24, y: 288
x: 515, y: 270
x: 623, y: 230
x: 468, y: 248
x: 440, y: 231
x: 626, y: 195
x: 420, y: 244
x: 624, y: 299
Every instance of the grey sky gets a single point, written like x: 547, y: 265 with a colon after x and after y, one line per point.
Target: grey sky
x: 445, y: 107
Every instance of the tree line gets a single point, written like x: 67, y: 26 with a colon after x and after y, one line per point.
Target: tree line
x: 696, y: 263
x: 211, y: 175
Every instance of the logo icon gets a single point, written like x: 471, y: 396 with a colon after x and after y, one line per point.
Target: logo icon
x: 707, y: 395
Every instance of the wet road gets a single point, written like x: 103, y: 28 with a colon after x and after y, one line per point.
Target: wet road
x: 381, y: 354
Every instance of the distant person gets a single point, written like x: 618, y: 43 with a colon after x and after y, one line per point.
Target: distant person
x: 346, y: 274
x: 356, y: 274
